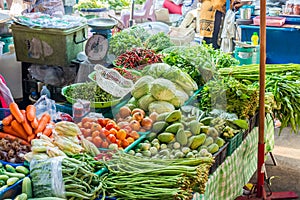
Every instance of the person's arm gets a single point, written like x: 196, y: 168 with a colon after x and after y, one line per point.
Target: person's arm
x: 238, y: 3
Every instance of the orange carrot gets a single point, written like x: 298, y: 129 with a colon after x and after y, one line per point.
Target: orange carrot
x: 47, y: 131
x: 31, y: 137
x: 12, y: 138
x: 34, y: 123
x: 26, y: 124
x: 7, y: 120
x: 17, y: 127
x: 45, y: 119
x: 10, y: 130
x: 15, y: 111
x: 31, y: 112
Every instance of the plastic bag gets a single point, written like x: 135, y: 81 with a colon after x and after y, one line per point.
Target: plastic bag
x: 47, y: 177
x: 45, y: 104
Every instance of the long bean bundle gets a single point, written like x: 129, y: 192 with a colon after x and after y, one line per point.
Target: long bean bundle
x: 283, y: 81
x: 251, y: 72
x: 133, y: 177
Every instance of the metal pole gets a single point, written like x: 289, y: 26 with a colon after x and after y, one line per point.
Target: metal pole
x: 262, y: 78
x: 131, y: 20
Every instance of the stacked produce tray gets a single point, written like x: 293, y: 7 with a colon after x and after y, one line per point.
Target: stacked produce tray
x: 234, y: 143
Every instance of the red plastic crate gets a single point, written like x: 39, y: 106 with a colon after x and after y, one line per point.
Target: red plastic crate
x: 270, y: 21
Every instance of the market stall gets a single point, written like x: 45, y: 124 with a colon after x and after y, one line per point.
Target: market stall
x: 184, y: 117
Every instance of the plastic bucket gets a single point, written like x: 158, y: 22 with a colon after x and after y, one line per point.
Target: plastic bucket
x: 247, y: 55
x: 7, y: 41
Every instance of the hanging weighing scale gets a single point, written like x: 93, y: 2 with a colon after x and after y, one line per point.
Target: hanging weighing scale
x: 97, y: 45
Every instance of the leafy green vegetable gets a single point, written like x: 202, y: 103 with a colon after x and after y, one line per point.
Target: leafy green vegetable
x: 231, y: 95
x: 220, y: 58
x: 158, y: 42
x: 88, y: 91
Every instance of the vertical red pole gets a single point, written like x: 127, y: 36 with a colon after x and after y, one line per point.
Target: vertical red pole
x: 262, y: 78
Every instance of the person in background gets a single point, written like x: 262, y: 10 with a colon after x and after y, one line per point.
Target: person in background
x: 212, y: 13
x: 8, y: 2
x: 180, y: 7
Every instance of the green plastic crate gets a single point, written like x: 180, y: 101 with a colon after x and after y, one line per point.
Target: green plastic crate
x: 234, y: 143
x: 48, y: 46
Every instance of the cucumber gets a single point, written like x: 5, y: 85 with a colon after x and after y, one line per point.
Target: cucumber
x: 27, y: 187
x: 10, y: 168
x: 17, y: 175
x: 22, y: 169
x: 4, y: 177
x: 12, y: 181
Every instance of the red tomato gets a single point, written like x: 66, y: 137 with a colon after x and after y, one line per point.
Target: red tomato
x: 110, y: 126
x: 111, y: 138
x: 104, y: 144
x: 104, y: 131
x: 125, y: 143
x: 97, y: 141
x: 118, y: 142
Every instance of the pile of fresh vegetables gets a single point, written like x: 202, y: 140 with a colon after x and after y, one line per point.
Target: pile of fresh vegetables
x: 107, y: 133
x: 162, y: 88
x: 88, y: 4
x: 74, y: 179
x: 10, y: 175
x: 118, y: 4
x: 88, y: 91
x: 221, y: 59
x: 230, y: 95
x: 282, y: 86
x: 158, y: 42
x: 67, y: 140
x: 13, y: 151
x: 132, y: 177
x: 137, y: 58
x: 23, y: 125
x: 194, y: 60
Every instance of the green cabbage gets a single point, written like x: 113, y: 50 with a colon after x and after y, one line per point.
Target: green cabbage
x: 180, y: 98
x: 144, y: 101
x: 160, y: 107
x: 156, y: 70
x: 163, y: 89
x: 142, y: 87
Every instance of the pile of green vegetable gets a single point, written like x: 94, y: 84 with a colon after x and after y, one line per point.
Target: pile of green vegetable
x: 158, y: 42
x: 194, y: 60
x: 9, y: 175
x: 78, y: 179
x: 88, y: 91
x: 132, y: 177
x: 282, y: 86
x: 221, y: 59
x: 162, y: 88
x: 230, y: 95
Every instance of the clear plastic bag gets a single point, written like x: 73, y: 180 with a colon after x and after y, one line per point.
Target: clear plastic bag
x: 47, y: 177
x: 112, y: 81
x: 45, y: 104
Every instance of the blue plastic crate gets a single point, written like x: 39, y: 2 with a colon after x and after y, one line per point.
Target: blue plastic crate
x: 12, y: 164
x: 12, y: 191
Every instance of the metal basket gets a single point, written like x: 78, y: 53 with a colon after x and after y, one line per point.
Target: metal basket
x: 112, y: 81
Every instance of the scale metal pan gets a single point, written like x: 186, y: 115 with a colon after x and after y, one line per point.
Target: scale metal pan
x: 101, y: 23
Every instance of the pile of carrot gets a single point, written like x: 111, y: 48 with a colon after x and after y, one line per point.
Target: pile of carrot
x: 24, y: 125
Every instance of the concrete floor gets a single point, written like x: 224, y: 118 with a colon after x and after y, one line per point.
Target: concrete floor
x: 287, y: 155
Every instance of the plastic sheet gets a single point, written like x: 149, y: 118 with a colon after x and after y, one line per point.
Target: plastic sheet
x: 47, y: 177
x: 45, y: 104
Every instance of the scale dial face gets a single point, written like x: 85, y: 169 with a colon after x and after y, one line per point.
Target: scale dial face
x: 96, y: 47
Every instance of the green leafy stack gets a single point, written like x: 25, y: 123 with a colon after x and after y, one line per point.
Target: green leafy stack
x: 231, y: 95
